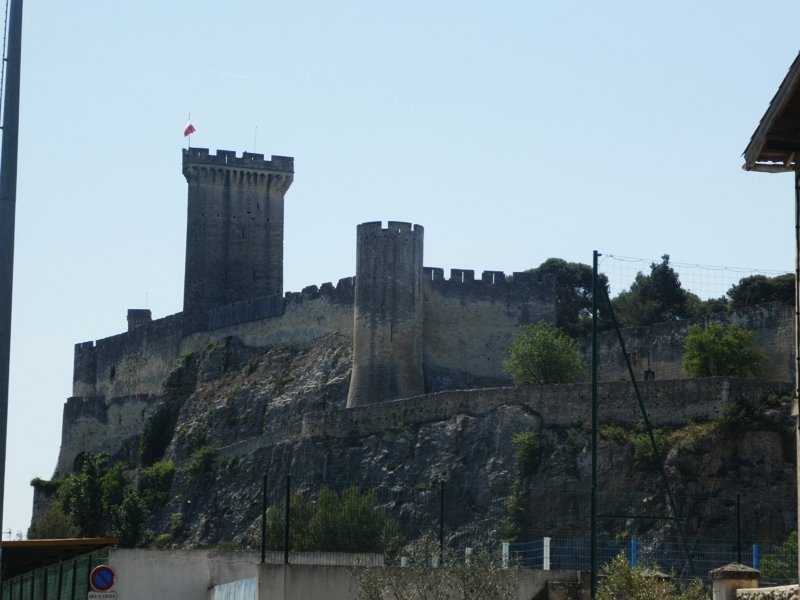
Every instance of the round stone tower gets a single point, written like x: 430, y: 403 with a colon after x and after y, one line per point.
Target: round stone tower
x: 234, y: 230
x: 387, y: 329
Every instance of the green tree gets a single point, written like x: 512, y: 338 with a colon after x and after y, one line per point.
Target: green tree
x: 81, y: 496
x: 639, y: 583
x: 716, y: 350
x: 101, y: 501
x: 348, y: 522
x: 705, y: 308
x: 760, y: 288
x: 573, y: 287
x: 112, y: 486
x: 780, y: 565
x: 543, y: 354
x: 128, y: 517
x: 53, y: 525
x: 654, y: 298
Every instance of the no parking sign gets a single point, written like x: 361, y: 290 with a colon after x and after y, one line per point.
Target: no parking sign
x: 102, y: 578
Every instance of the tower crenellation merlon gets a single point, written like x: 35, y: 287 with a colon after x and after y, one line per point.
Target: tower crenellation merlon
x: 247, y: 171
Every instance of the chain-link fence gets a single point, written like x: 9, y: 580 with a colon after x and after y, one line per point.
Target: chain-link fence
x: 548, y: 527
x: 777, y: 561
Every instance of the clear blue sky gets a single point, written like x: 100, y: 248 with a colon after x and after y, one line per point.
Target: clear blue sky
x: 512, y: 131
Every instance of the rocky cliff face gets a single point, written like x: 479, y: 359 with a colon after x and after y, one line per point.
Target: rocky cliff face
x: 230, y: 415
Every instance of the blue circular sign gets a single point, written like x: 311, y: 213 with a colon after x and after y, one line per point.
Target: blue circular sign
x: 101, y: 578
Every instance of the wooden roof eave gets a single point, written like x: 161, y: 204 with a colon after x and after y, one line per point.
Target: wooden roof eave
x: 768, y: 150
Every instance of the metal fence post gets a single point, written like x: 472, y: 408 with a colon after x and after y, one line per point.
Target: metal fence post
x: 756, y: 557
x: 505, y: 555
x: 264, y: 521
x: 634, y: 552
x: 739, y: 528
x: 546, y: 554
x: 441, y: 523
x: 287, y: 520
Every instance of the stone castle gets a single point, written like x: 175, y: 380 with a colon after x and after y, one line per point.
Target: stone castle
x: 413, y: 331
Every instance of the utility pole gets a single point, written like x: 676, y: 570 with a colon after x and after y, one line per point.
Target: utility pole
x: 8, y: 201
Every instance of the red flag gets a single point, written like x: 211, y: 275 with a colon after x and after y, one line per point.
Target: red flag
x: 189, y: 130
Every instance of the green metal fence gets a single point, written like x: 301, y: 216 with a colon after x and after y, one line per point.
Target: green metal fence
x: 66, y: 580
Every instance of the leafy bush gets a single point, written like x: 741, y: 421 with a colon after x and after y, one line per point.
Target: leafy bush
x: 780, y: 565
x: 348, y: 522
x: 643, y: 453
x: 46, y: 486
x: 613, y: 432
x: 202, y: 460
x: 688, y: 437
x: 621, y: 580
x: 685, y: 439
x: 128, y: 518
x: 543, y: 354
x: 717, y: 350
x: 155, y: 482
x: 527, y: 453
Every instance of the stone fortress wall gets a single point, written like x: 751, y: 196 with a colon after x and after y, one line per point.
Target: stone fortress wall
x: 659, y: 347
x: 469, y: 324
x: 668, y: 403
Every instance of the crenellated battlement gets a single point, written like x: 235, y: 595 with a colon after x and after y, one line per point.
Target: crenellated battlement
x: 248, y: 171
x: 490, y: 282
x: 228, y: 158
x: 341, y: 293
x: 375, y: 228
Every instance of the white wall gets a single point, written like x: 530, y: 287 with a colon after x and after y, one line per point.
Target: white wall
x: 184, y: 574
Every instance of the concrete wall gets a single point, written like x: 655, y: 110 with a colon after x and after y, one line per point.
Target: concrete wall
x: 667, y: 402
x: 787, y: 592
x: 301, y: 582
x: 191, y: 574
x: 184, y: 574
